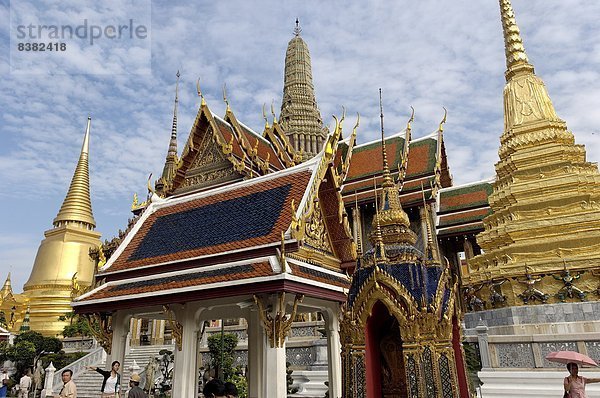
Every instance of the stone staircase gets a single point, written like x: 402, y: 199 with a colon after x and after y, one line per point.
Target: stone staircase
x: 89, y: 382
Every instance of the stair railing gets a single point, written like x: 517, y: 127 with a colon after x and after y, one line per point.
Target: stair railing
x: 79, y: 366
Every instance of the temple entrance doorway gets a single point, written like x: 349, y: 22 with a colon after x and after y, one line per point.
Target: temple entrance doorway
x: 385, y: 364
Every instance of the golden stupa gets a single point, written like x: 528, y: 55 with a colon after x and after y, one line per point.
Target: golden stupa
x: 62, y: 265
x: 541, y: 243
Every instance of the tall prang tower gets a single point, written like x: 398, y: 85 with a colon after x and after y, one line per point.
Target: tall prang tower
x: 63, y: 267
x: 300, y: 117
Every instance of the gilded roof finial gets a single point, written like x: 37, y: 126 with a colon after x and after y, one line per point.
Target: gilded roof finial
x: 200, y: 92
x: 441, y: 127
x: 403, y: 166
x: 265, y: 116
x: 297, y: 29
x: 516, y: 58
x: 429, y: 245
x: 273, y: 111
x: 225, y: 97
x: 77, y: 206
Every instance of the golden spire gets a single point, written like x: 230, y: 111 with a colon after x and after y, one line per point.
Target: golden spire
x: 391, y: 218
x: 516, y: 58
x: 6, y: 288
x: 77, y: 206
x: 171, y: 160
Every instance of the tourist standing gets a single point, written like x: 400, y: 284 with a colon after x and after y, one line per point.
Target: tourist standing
x: 214, y: 389
x: 69, y: 390
x: 136, y: 391
x: 575, y: 384
x: 231, y: 390
x: 25, y: 384
x: 112, y: 380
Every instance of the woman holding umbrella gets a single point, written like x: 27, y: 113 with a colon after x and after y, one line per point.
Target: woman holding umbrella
x: 575, y: 384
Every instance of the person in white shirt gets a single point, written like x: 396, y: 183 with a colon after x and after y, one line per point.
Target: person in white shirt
x: 25, y: 384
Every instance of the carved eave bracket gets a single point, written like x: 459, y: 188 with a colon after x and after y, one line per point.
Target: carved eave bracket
x: 175, y: 326
x: 278, y: 326
x: 100, y: 326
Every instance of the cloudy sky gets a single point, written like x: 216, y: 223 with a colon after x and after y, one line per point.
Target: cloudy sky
x: 427, y: 54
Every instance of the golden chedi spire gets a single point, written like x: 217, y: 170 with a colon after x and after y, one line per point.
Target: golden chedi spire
x: 6, y: 289
x: 390, y: 219
x: 171, y: 159
x: 77, y: 206
x: 300, y: 117
x: 545, y: 201
x: 63, y: 253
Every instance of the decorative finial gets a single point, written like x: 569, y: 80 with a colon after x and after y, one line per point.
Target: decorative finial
x: 200, y: 92
x: 225, y: 96
x: 265, y: 116
x: 297, y: 29
x: 273, y: 111
x: 441, y: 127
x: 513, y: 43
x: 403, y: 166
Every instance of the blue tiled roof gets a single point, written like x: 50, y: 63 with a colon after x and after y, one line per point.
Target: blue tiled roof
x: 232, y: 220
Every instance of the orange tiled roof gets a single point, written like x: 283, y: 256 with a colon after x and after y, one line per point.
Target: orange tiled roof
x: 367, y: 160
x: 190, y: 279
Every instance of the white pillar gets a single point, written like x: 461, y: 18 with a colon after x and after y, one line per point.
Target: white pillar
x: 274, y: 376
x: 120, y: 326
x: 185, y: 368
x: 273, y: 369
x: 48, y: 381
x: 256, y: 347
x: 334, y: 353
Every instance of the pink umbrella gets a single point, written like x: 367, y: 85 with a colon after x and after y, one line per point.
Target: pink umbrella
x: 571, y: 356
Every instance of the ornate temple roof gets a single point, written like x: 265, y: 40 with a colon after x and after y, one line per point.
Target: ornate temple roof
x: 286, y: 230
x: 364, y: 167
x: 462, y: 208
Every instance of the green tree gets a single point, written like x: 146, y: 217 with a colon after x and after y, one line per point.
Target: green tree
x: 225, y: 353
x: 22, y: 354
x: 79, y: 327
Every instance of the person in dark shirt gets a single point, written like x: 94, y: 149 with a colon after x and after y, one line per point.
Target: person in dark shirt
x: 136, y: 391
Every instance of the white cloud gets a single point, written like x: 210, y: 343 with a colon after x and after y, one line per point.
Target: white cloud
x: 426, y: 54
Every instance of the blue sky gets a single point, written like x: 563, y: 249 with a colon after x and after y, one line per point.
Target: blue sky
x: 427, y: 54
